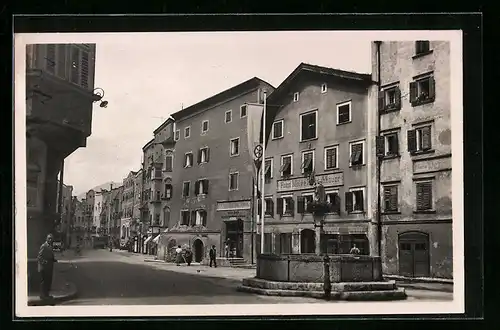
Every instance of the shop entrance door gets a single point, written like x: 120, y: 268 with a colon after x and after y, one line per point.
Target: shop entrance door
x: 234, y: 236
x: 414, y: 258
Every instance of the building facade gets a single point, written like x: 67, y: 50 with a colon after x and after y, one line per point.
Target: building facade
x: 317, y: 129
x: 128, y: 199
x: 97, y: 222
x: 414, y: 150
x: 59, y: 98
x: 213, y: 181
x: 89, y: 213
x: 136, y: 230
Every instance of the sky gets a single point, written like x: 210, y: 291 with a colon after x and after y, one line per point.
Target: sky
x: 146, y: 77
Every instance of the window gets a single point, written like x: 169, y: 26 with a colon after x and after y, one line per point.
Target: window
x: 343, y: 112
x: 323, y: 88
x: 354, y: 200
x: 422, y: 47
x: 390, y: 99
x: 168, y: 191
x: 269, y: 210
x: 286, y: 165
x: 201, y: 218
x: 424, y: 196
x: 278, y: 129
x: 169, y: 163
x: 331, y: 161
x: 308, y: 126
x: 185, y: 188
x: 157, y: 220
x: 228, y: 117
x: 268, y: 175
x: 333, y: 200
x: 285, y: 205
x: 177, y: 135
x: 295, y: 96
x: 203, y: 155
x: 188, y: 160
x: 304, y: 203
x: 307, y: 162
x: 356, y: 153
x: 243, y: 111
x: 158, y: 195
x: 233, y: 181
x: 234, y: 146
x: 204, y: 126
x: 387, y: 145
x: 201, y: 187
x: 390, y: 198
x: 422, y: 91
x: 419, y: 139
x: 187, y: 132
x: 185, y: 217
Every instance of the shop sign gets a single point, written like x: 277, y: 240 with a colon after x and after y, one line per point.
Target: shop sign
x: 234, y: 214
x: 327, y: 180
x: 233, y: 205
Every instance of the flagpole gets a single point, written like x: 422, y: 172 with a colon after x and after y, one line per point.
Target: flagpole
x: 263, y: 174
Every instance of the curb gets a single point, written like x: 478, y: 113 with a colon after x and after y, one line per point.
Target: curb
x: 415, y: 286
x: 72, y: 294
x: 418, y: 279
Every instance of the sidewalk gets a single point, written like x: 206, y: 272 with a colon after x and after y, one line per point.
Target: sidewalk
x: 62, y: 288
x: 429, y: 284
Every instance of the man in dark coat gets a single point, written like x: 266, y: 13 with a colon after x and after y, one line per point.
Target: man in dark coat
x: 213, y: 256
x: 46, y: 262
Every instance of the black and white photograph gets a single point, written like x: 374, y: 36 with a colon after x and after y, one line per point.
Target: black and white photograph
x: 239, y: 173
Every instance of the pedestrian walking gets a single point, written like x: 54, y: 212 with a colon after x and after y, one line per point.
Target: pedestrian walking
x: 46, y: 262
x: 188, y: 256
x: 354, y: 250
x: 226, y: 249
x: 213, y: 256
x: 178, y: 257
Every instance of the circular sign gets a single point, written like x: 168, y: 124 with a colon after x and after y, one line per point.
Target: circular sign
x: 257, y: 151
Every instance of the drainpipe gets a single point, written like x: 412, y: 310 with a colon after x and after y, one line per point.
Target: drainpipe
x: 379, y: 160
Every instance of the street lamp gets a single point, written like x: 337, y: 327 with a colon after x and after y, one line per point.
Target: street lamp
x: 98, y: 94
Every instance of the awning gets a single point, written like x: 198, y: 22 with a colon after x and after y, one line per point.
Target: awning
x: 156, y: 239
x: 148, y: 239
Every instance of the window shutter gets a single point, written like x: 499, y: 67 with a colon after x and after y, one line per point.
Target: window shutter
x: 192, y: 220
x: 205, y: 187
x: 301, y: 204
x: 348, y: 202
x: 279, y: 208
x: 420, y: 202
x: 208, y: 154
x: 336, y: 203
x: 396, y: 144
x: 75, y: 65
x: 424, y: 196
x: 398, y: 99
x: 387, y: 198
x: 362, y: 204
x: 413, y: 92
x: 199, y: 156
x: 304, y: 130
x: 426, y: 138
x: 380, y: 145
x: 271, y: 207
x: 259, y: 207
x: 412, y: 140
x: 432, y: 88
x: 381, y: 102
x: 84, y: 70
x: 393, y: 203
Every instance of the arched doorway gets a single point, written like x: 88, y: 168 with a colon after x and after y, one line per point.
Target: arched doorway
x: 198, y: 250
x: 166, y: 216
x: 307, y: 241
x: 414, y: 258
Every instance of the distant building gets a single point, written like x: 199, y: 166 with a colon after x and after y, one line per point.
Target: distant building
x: 97, y: 212
x: 414, y: 149
x: 136, y: 229
x: 213, y: 174
x: 128, y: 199
x: 317, y: 131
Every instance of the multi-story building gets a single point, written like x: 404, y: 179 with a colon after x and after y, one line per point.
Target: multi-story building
x: 97, y: 212
x: 89, y: 213
x: 317, y: 132
x: 114, y: 213
x: 128, y: 199
x: 136, y: 230
x: 414, y: 150
x: 59, y: 97
x: 163, y: 136
x: 79, y: 218
x: 67, y: 212
x: 211, y: 200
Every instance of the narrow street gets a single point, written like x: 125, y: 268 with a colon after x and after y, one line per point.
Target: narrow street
x: 119, y: 278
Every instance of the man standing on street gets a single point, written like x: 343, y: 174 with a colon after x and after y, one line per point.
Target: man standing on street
x: 46, y: 262
x: 213, y: 256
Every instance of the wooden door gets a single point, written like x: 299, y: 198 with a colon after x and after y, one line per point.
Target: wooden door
x: 414, y: 257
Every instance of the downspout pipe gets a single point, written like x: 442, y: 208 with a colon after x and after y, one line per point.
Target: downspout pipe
x: 379, y: 159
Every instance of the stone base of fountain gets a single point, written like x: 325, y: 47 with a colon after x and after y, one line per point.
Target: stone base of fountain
x: 352, y: 277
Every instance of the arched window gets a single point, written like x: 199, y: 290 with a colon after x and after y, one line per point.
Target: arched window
x: 166, y: 216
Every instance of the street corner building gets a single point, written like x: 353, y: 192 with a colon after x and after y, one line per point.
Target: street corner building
x: 414, y: 154
x: 157, y: 170
x: 59, y: 99
x: 213, y: 173
x: 317, y: 130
